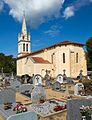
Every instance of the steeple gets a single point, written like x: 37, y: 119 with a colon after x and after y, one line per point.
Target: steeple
x: 24, y: 30
x: 23, y: 40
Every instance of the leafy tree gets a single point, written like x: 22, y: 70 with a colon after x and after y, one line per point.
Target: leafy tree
x: 89, y: 48
x: 89, y: 64
x: 89, y: 53
x: 8, y: 63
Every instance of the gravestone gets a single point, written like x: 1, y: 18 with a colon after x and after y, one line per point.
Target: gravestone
x: 37, y: 80
x: 26, y: 88
x: 64, y: 75
x: 12, y: 76
x: 47, y: 77
x: 38, y: 94
x: 7, y: 95
x: 81, y: 75
x: 59, y: 78
x: 77, y: 88
x: 1, y: 77
x: 6, y: 81
x: 73, y: 108
x: 15, y: 84
x: 25, y: 79
x: 48, y: 83
x: 24, y: 116
x: 56, y: 86
x: 69, y: 80
x: 66, y: 91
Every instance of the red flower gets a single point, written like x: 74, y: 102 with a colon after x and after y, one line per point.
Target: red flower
x: 58, y: 108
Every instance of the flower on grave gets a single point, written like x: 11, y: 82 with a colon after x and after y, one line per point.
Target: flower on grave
x: 84, y: 110
x: 20, y: 108
x: 59, y: 107
x: 42, y: 99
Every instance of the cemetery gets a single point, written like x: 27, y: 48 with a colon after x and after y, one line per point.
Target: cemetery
x: 63, y: 98
x: 51, y: 79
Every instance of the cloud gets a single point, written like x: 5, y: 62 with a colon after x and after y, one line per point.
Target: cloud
x: 53, y: 30
x: 37, y: 11
x: 70, y: 10
x: 1, y: 5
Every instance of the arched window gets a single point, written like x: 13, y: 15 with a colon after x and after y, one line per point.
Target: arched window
x: 63, y: 57
x: 23, y: 46
x: 26, y: 47
x: 77, y: 58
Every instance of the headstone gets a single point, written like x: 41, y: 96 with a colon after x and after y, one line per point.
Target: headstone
x: 48, y: 83
x: 26, y: 87
x: 47, y: 77
x: 15, y: 84
x: 12, y: 76
x: 56, y: 86
x: 64, y: 75
x: 37, y: 80
x: 7, y: 95
x: 69, y: 80
x: 66, y: 91
x: 38, y: 94
x: 81, y: 75
x: 88, y: 77
x: 77, y: 88
x: 25, y: 79
x: 24, y: 116
x: 73, y: 108
x: 59, y: 78
x: 1, y: 77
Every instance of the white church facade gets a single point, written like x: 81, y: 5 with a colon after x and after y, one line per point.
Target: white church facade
x: 65, y: 55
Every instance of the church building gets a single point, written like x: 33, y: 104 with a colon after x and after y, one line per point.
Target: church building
x: 65, y: 56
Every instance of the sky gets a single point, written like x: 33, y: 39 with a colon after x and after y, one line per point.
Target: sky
x: 48, y: 22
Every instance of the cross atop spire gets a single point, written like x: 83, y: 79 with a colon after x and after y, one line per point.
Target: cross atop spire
x: 24, y: 30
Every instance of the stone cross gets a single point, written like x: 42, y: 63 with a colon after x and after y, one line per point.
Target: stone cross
x: 81, y: 76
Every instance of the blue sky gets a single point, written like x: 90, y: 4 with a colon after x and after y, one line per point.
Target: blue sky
x: 48, y: 22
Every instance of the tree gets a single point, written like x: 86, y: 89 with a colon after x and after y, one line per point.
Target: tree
x: 89, y: 48
x: 89, y: 53
x: 8, y: 63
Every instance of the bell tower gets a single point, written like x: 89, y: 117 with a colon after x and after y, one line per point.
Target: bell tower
x: 23, y: 40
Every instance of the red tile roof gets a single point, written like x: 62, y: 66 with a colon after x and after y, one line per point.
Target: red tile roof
x: 39, y: 60
x: 66, y: 42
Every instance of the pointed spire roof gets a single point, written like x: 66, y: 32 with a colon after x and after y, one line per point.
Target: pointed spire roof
x: 24, y: 30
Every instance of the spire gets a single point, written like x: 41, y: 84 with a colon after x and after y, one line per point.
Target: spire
x: 24, y: 30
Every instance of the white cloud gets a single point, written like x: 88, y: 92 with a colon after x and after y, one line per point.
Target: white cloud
x: 76, y: 5
x: 69, y: 12
x: 37, y: 11
x: 1, y: 5
x: 53, y: 30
